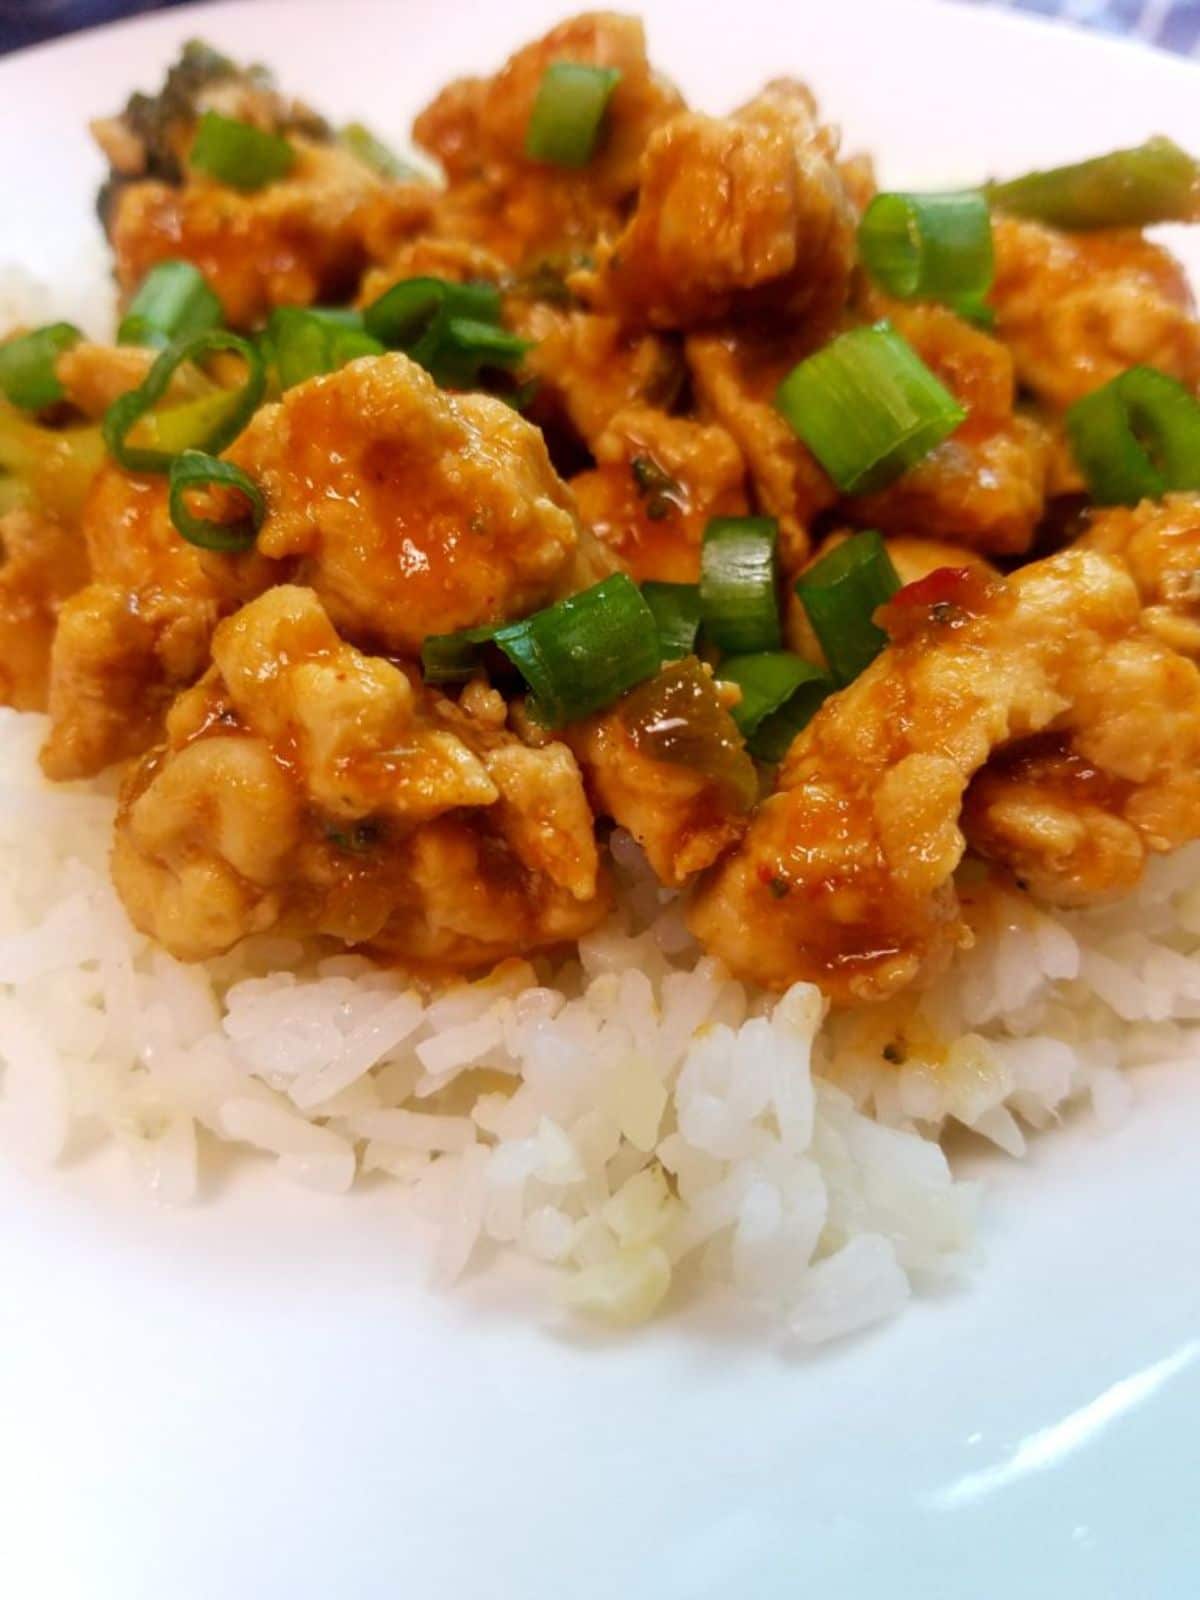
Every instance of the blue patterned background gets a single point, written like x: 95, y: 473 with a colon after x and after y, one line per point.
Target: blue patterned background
x: 1173, y: 24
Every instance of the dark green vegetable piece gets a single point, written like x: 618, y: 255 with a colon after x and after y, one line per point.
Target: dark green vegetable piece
x: 452, y: 329
x: 739, y: 573
x: 412, y: 314
x: 239, y: 154
x: 564, y: 126
x: 576, y: 656
x: 780, y: 694
x: 27, y: 365
x: 469, y: 349
x: 675, y: 608
x: 930, y: 247
x: 841, y: 593
x: 1153, y: 182
x: 581, y: 654
x: 195, y: 470
x: 173, y: 300
x: 124, y: 414
x: 303, y: 343
x: 456, y: 657
x: 1136, y: 438
x: 867, y: 407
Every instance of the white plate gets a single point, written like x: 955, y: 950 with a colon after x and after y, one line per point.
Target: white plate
x: 257, y: 1397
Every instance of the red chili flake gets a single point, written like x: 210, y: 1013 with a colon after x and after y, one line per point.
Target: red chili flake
x: 942, y: 598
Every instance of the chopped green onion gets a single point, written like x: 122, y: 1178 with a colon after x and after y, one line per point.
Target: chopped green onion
x: 452, y: 329
x: 239, y: 154
x: 583, y: 652
x: 776, y: 733
x: 183, y: 427
x: 456, y: 657
x: 1136, y: 438
x: 780, y: 694
x: 172, y: 300
x: 303, y: 343
x: 867, y: 407
x: 929, y: 246
x: 576, y: 656
x: 381, y: 158
x: 125, y: 413
x: 195, y: 470
x: 1153, y: 182
x: 738, y: 579
x: 841, y: 593
x: 470, y: 348
x: 567, y: 113
x: 675, y: 608
x: 27, y: 365
x: 405, y: 316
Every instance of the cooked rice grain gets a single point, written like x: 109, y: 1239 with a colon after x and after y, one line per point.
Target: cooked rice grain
x: 635, y: 1117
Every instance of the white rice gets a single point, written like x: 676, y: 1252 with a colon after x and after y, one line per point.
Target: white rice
x: 635, y: 1118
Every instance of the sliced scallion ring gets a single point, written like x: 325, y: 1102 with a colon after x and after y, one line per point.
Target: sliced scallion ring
x: 867, y: 407
x: 303, y: 343
x: 675, y: 608
x: 173, y: 300
x: 929, y: 246
x: 456, y: 657
x: 238, y: 153
x: 582, y: 653
x: 568, y: 112
x: 124, y: 413
x: 409, y: 311
x: 739, y: 574
x: 1137, y: 437
x: 195, y: 470
x: 840, y: 594
x: 780, y: 694
x: 28, y: 378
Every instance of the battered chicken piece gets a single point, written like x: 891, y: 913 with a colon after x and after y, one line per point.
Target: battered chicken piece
x: 133, y: 637
x: 520, y: 209
x: 735, y: 377
x: 657, y: 481
x: 41, y: 565
x: 845, y: 877
x: 296, y: 241
x: 1056, y: 822
x: 739, y: 216
x: 94, y: 375
x: 984, y: 486
x: 306, y: 787
x: 1077, y: 309
x: 668, y: 763
x: 589, y: 368
x: 408, y: 510
x: 1159, y: 541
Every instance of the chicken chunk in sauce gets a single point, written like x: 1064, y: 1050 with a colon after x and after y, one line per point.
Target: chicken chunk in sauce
x: 306, y: 787
x: 288, y: 766
x: 846, y: 875
x: 743, y: 216
x: 408, y: 510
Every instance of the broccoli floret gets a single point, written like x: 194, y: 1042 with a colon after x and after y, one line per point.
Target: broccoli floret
x: 150, y: 137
